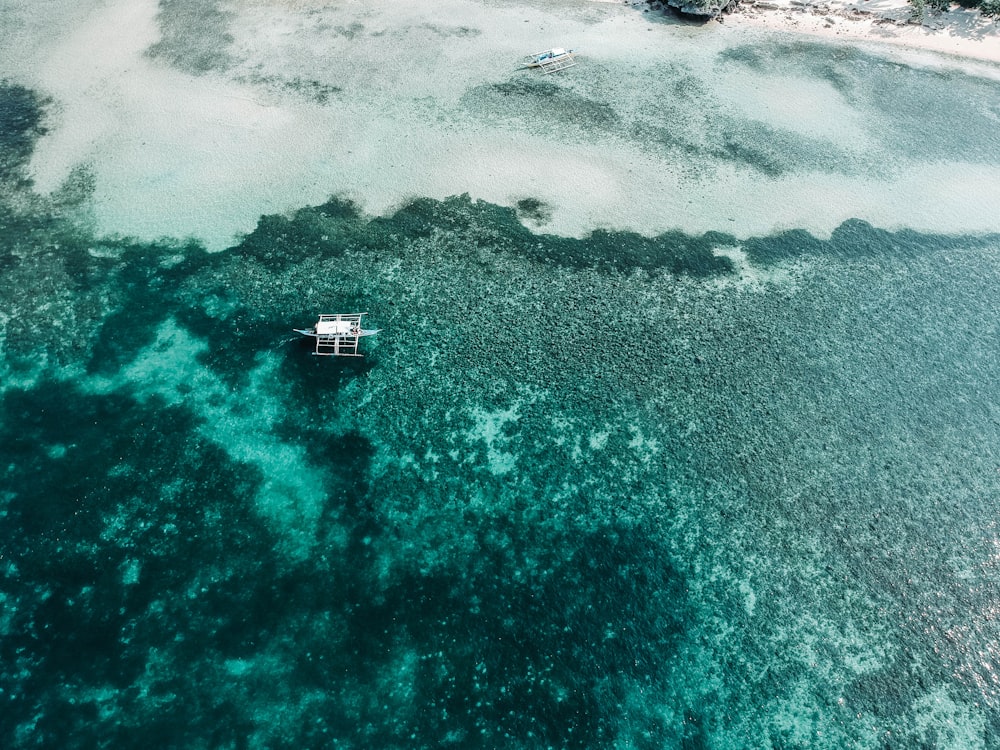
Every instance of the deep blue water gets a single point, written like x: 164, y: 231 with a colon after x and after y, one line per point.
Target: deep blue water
x: 616, y: 491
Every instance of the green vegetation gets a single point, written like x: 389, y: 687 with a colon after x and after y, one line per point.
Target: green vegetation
x: 990, y: 8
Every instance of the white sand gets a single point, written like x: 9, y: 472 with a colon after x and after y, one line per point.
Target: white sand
x: 959, y: 31
x: 204, y: 156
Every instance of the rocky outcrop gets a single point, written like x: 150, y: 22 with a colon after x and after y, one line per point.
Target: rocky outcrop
x: 702, y: 8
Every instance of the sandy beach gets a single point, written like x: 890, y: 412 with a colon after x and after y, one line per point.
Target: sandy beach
x: 959, y: 31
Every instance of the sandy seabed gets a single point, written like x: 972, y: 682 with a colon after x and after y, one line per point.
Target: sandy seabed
x: 188, y: 134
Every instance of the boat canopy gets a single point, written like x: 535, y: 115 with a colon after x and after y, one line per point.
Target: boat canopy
x: 335, y: 327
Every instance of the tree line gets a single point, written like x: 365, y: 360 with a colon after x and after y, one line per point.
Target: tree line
x: 990, y: 8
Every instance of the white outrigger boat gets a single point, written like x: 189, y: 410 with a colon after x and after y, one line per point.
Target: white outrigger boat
x: 338, y: 335
x: 551, y: 60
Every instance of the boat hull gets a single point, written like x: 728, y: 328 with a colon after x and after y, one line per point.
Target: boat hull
x: 312, y: 332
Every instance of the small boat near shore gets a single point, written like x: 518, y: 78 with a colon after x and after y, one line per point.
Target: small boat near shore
x: 338, y: 335
x: 551, y: 60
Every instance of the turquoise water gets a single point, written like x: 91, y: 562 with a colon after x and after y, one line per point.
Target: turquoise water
x: 626, y: 490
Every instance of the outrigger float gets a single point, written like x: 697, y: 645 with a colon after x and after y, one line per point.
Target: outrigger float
x: 551, y: 60
x: 338, y: 335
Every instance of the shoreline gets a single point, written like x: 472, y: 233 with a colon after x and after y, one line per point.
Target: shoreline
x: 958, y: 32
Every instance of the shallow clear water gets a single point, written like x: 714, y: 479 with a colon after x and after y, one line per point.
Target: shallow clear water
x: 628, y: 489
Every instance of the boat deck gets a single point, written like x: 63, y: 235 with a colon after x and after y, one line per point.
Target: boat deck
x: 338, y: 335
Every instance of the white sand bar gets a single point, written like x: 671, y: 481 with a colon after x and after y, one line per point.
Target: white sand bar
x: 383, y: 101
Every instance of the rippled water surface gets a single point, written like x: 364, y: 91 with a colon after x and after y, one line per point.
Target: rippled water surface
x: 686, y: 473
